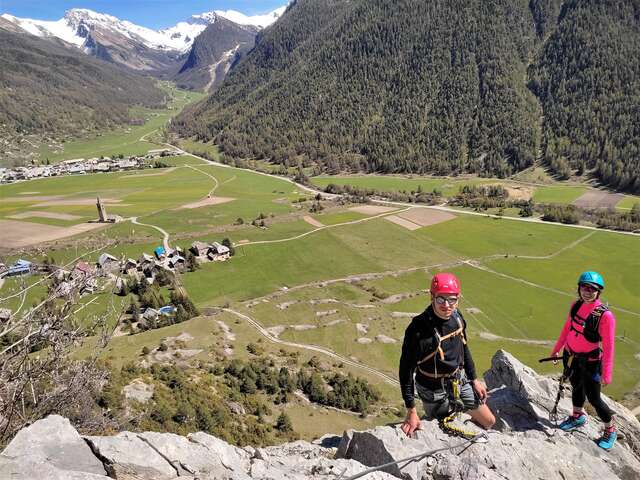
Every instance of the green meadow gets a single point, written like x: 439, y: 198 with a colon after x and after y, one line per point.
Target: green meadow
x: 628, y: 202
x: 126, y: 140
x: 561, y: 194
x: 518, y: 277
x: 497, y: 299
x: 390, y: 183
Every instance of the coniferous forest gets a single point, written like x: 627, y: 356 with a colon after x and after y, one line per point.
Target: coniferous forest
x: 47, y: 86
x: 445, y: 87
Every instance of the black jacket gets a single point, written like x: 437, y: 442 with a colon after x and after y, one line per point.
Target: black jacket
x: 420, y: 341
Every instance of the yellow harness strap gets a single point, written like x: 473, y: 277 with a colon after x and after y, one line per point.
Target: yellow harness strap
x: 440, y: 339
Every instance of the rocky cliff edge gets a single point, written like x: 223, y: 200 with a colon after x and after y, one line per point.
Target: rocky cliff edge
x: 524, y: 445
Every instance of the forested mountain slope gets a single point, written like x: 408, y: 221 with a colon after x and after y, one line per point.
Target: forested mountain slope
x: 439, y: 87
x: 46, y: 86
x: 386, y: 86
x: 587, y: 77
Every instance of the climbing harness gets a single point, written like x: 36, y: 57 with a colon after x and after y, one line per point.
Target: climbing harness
x: 566, y: 373
x: 590, y: 325
x: 415, y: 458
x: 440, y: 352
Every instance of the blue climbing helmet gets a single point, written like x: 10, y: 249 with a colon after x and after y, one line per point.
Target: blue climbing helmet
x: 592, y: 278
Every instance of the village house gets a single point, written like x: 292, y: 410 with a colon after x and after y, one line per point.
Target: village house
x: 108, y: 263
x: 21, y: 267
x: 219, y: 252
x: 150, y: 314
x: 176, y: 262
x: 84, y: 276
x: 144, y: 260
x: 160, y: 253
x: 200, y: 249
x: 60, y: 274
x: 81, y: 271
x: 5, y: 315
x: 63, y: 290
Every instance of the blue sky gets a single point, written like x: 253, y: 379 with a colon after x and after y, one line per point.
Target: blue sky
x: 154, y: 14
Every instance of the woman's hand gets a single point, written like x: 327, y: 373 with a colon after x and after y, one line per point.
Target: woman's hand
x: 411, y: 422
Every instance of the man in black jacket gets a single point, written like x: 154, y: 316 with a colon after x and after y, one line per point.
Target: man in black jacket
x: 435, y: 350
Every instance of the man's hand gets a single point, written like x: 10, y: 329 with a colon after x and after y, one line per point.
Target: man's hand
x: 411, y: 422
x: 480, y: 389
x: 555, y: 362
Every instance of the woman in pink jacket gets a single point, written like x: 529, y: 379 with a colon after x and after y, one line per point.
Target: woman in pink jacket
x: 587, y: 339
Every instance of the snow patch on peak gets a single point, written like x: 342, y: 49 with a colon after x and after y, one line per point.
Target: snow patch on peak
x: 261, y: 21
x: 41, y: 28
x: 207, y: 18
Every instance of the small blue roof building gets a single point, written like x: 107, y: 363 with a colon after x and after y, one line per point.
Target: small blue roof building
x: 160, y: 252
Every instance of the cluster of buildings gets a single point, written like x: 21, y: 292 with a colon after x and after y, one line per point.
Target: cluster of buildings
x: 83, y: 277
x: 80, y: 166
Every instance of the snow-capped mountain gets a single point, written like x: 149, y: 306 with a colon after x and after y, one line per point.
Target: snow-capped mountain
x: 163, y: 53
x: 77, y: 23
x: 261, y: 21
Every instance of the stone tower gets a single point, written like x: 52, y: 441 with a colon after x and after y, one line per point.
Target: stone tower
x: 102, y: 213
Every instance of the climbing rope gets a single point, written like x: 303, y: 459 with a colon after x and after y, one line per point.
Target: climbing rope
x: 447, y: 426
x: 415, y: 458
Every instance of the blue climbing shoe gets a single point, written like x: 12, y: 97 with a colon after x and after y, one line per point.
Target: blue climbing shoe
x: 608, y: 439
x: 573, y: 422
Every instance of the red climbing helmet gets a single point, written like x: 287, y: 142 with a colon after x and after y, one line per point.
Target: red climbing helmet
x: 446, y: 283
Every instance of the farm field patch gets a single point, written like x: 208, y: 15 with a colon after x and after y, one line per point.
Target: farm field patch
x: 598, y: 199
x: 15, y: 234
x: 35, y: 213
x: 560, y: 194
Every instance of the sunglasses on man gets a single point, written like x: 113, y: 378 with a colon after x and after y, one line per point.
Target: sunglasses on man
x: 440, y: 300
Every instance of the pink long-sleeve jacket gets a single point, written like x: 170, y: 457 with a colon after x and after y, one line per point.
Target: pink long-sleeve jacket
x: 576, y: 342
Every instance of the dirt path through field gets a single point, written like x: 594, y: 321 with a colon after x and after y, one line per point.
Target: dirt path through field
x: 165, y: 234
x: 314, y: 348
x: 312, y: 221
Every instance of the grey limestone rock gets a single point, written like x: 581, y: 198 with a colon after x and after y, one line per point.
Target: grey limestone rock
x: 528, y: 447
x: 29, y: 467
x: 126, y: 452
x: 55, y: 442
x: 524, y: 446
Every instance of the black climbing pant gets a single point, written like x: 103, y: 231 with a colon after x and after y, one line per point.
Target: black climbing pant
x: 585, y: 383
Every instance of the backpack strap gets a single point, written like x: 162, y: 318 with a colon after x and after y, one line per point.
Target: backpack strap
x: 596, y: 316
x: 574, y: 316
